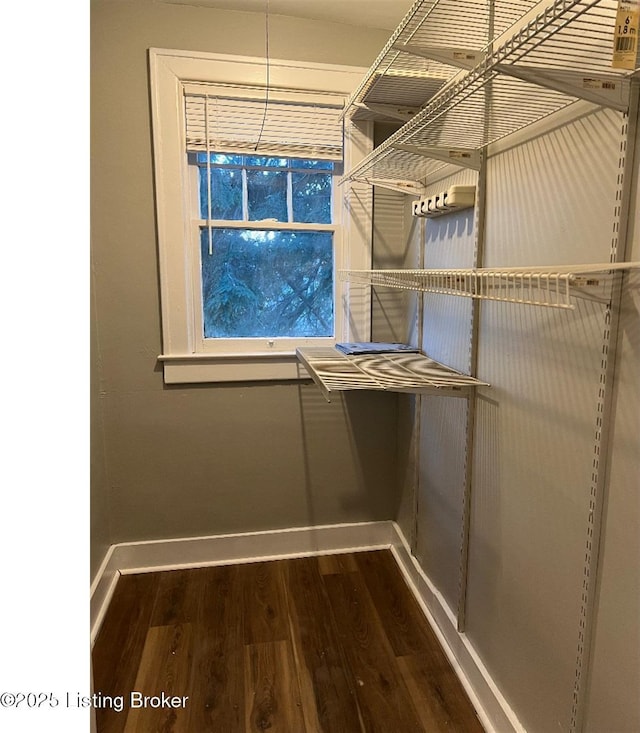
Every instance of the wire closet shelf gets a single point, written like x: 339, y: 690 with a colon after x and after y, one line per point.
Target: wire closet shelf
x: 433, y: 42
x: 333, y: 371
x: 551, y: 287
x: 549, y: 61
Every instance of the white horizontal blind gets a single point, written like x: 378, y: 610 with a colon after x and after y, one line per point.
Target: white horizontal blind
x: 233, y: 120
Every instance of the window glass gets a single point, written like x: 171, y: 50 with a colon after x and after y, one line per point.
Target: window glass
x: 311, y: 196
x: 226, y: 193
x: 267, y: 195
x: 266, y: 162
x: 316, y: 164
x: 220, y: 159
x: 266, y: 283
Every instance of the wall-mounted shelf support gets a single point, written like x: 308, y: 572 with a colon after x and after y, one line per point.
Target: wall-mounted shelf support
x: 461, y: 58
x: 605, y: 90
x: 410, y: 187
x: 393, y: 111
x: 464, y: 157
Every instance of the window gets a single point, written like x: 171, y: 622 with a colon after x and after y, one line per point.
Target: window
x: 252, y: 224
x: 263, y: 276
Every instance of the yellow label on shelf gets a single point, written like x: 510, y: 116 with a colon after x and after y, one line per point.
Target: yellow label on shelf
x: 625, y: 40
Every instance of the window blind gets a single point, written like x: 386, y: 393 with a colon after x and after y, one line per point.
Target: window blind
x: 244, y: 120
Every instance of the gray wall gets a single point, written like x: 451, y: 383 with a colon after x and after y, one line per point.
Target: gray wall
x: 172, y: 462
x: 100, y: 532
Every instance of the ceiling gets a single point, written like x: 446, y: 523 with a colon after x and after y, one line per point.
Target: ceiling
x: 384, y: 14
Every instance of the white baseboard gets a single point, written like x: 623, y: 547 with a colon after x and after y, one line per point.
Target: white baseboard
x: 156, y: 555
x: 493, y: 710
x: 193, y: 552
x: 102, y: 588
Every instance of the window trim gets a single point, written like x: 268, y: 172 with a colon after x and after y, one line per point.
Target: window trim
x: 169, y: 71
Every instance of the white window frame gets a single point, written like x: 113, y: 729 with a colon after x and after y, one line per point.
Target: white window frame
x: 185, y: 356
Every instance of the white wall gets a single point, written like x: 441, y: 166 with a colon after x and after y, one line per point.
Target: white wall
x: 615, y: 671
x: 449, y: 242
x: 550, y: 200
x: 394, y: 318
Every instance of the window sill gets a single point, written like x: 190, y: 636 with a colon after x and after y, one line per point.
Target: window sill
x: 259, y: 367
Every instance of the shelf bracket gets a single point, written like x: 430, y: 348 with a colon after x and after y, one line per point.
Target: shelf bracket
x: 464, y: 157
x: 461, y: 58
x: 413, y: 188
x: 601, y: 89
x: 404, y: 114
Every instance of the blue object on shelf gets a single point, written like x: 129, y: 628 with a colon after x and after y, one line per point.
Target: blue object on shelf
x: 376, y: 347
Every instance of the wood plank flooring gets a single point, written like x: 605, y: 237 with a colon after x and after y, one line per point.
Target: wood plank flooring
x: 330, y: 644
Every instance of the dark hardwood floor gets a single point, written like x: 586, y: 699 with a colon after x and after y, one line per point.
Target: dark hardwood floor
x: 331, y: 644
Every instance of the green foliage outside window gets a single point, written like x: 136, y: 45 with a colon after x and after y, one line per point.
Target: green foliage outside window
x: 266, y: 282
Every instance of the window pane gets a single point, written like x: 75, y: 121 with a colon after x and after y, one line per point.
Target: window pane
x: 226, y: 193
x: 311, y: 197
x: 266, y: 162
x: 316, y: 164
x: 267, y: 195
x: 220, y: 159
x: 270, y: 284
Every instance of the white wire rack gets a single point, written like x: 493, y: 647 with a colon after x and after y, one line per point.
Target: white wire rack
x: 551, y: 287
x: 433, y: 42
x: 562, y: 54
x: 334, y: 371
